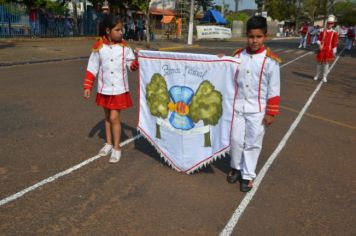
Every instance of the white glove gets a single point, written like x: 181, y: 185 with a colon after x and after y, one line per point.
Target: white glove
x: 334, y: 51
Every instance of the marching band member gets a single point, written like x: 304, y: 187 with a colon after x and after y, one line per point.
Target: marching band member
x: 256, y: 104
x: 109, y: 61
x: 303, y: 32
x: 327, y: 41
x: 350, y: 38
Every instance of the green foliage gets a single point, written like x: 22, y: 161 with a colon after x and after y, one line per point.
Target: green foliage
x: 142, y: 5
x: 346, y: 13
x: 206, y: 104
x: 236, y: 16
x: 157, y: 96
x: 281, y: 9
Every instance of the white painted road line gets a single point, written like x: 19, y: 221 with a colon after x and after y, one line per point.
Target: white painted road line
x: 308, y: 53
x: 289, y: 50
x: 60, y: 174
x: 248, y: 197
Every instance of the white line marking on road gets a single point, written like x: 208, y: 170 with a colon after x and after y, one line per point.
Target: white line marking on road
x: 248, y: 197
x: 289, y: 50
x: 296, y: 59
x: 60, y: 174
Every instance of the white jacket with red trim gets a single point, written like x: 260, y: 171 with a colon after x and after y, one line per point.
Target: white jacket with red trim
x: 109, y: 63
x: 258, y: 82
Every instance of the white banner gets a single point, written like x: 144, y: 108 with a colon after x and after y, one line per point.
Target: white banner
x: 213, y: 32
x: 163, y: 4
x: 186, y: 106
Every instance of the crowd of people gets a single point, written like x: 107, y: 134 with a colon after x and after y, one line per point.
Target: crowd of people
x: 134, y: 25
x: 309, y: 35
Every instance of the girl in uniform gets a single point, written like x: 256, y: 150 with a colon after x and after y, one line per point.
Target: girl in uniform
x: 108, y: 62
x: 327, y: 41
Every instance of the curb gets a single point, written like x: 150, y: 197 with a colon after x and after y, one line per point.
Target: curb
x: 178, y: 47
x: 285, y: 38
x: 41, y: 61
x: 29, y: 62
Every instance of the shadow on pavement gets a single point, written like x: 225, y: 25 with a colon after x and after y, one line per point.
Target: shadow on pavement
x: 8, y: 45
x: 304, y: 76
x: 99, y: 130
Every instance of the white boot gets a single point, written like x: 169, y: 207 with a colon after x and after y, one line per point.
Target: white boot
x: 318, y: 67
x: 325, y: 72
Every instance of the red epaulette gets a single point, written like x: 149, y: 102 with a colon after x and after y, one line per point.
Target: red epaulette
x: 98, y: 44
x: 238, y: 51
x: 124, y: 44
x: 273, y: 56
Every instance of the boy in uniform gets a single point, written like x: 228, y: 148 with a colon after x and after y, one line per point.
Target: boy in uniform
x: 256, y: 104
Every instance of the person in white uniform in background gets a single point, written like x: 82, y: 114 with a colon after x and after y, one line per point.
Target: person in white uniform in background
x: 256, y: 104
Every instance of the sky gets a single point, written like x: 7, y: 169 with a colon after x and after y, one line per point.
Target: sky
x: 244, y: 4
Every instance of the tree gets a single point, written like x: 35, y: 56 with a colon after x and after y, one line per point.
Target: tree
x: 237, y: 5
x: 157, y: 97
x: 236, y: 16
x: 206, y: 105
x: 345, y: 12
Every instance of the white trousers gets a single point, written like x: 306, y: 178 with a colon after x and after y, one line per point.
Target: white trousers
x: 315, y: 39
x: 303, y: 41
x: 247, y: 136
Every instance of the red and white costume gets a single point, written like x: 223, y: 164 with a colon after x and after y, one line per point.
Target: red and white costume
x: 109, y: 62
x: 327, y: 40
x: 258, y: 84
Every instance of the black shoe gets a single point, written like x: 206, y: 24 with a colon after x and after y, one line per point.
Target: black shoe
x: 246, y: 185
x: 233, y: 176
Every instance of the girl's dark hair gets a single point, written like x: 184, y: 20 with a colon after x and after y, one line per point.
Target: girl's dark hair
x: 108, y: 21
x: 257, y: 22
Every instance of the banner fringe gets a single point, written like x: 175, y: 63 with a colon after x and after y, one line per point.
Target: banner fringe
x: 215, y: 157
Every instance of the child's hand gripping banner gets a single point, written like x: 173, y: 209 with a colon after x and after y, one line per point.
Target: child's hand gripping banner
x: 186, y: 106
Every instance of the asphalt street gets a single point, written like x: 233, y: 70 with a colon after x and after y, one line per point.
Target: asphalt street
x: 47, y: 127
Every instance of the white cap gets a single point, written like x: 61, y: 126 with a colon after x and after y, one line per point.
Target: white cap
x: 331, y: 19
x: 105, y: 5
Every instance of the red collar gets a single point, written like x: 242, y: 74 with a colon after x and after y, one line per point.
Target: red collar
x: 260, y: 50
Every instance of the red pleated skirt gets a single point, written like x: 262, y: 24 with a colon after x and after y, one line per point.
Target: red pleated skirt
x: 325, y: 56
x: 114, y: 102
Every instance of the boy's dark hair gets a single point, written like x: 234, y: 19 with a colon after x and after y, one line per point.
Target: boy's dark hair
x: 108, y: 21
x: 257, y: 22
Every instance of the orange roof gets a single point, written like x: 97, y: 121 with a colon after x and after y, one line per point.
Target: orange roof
x: 167, y: 19
x: 156, y: 11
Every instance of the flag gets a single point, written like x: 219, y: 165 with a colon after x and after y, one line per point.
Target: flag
x: 186, y: 106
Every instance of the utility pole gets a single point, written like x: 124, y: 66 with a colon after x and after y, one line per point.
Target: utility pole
x: 331, y: 7
x: 223, y: 8
x: 191, y: 23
